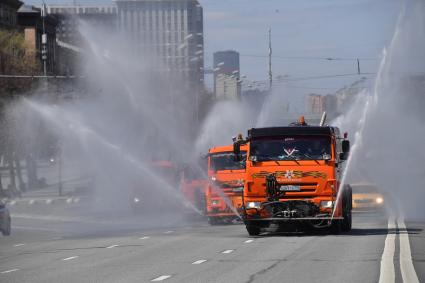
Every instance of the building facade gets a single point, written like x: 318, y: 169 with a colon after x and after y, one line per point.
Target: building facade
x: 170, y: 31
x: 227, y: 87
x: 226, y: 63
x: 31, y: 21
x: 168, y: 36
x: 70, y: 39
x: 70, y: 17
x: 8, y: 13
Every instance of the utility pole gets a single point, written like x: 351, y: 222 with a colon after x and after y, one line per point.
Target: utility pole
x: 270, y: 60
x: 44, y: 40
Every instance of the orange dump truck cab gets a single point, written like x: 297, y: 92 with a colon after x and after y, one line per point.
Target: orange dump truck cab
x: 193, y: 185
x: 293, y: 178
x: 223, y: 196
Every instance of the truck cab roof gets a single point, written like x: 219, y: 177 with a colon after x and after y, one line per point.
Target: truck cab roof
x: 292, y: 130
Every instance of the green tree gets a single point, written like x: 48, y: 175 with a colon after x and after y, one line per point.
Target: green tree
x: 16, y: 58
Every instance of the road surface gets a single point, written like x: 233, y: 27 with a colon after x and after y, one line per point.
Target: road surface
x: 61, y: 246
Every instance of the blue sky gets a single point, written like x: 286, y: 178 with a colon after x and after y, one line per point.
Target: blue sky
x: 301, y: 28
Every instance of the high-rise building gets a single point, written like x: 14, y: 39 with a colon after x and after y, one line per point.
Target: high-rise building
x: 227, y: 87
x: 168, y: 35
x: 71, y: 16
x: 168, y: 31
x: 226, y: 63
x: 70, y: 39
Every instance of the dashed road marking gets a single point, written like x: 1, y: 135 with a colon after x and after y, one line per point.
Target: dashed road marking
x: 387, y: 273
x: 113, y: 246
x: 408, y: 272
x: 144, y: 238
x: 31, y: 201
x: 18, y: 245
x: 199, y: 261
x: 248, y: 241
x: 161, y: 278
x: 70, y: 258
x: 49, y: 201
x: 227, y: 251
x: 168, y: 232
x: 8, y: 271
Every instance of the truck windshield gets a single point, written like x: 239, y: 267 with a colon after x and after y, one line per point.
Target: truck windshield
x: 291, y: 148
x: 226, y: 161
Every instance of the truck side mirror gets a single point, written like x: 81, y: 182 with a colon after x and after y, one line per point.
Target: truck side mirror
x: 237, y: 151
x: 345, y: 146
x: 345, y: 150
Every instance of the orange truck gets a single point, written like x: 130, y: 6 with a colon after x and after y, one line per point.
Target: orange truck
x: 192, y: 185
x: 293, y: 178
x: 224, y: 193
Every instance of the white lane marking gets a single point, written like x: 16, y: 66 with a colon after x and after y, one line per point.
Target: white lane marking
x: 31, y: 202
x: 161, y: 278
x: 8, y: 271
x: 70, y: 258
x: 199, y: 261
x: 144, y: 238
x: 227, y: 251
x: 113, y: 246
x: 387, y: 274
x: 248, y: 241
x: 168, y: 232
x: 18, y: 245
x: 408, y: 272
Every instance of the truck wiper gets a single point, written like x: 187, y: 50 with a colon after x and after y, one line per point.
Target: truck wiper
x: 310, y: 157
x: 293, y: 158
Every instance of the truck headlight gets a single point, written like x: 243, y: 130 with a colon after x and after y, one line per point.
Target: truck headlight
x: 253, y: 204
x: 326, y: 203
x: 237, y: 189
x: 379, y: 200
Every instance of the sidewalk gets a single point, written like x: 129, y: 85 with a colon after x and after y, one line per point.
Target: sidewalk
x: 73, y: 190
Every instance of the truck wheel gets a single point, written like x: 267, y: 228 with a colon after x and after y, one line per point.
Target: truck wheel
x: 213, y: 221
x: 253, y: 230
x: 336, y: 227
x: 346, y: 212
x: 7, y: 228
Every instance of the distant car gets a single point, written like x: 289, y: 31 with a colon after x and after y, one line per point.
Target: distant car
x: 5, y: 221
x: 366, y: 197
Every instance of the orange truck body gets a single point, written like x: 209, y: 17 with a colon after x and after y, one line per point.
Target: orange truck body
x: 223, y: 196
x: 193, y: 185
x: 288, y: 184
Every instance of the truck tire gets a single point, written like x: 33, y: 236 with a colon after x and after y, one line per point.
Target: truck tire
x: 213, y: 221
x: 253, y: 230
x: 7, y: 228
x: 346, y: 211
x: 336, y: 227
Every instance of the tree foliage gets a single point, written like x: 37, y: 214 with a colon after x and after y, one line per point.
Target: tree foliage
x: 16, y: 58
